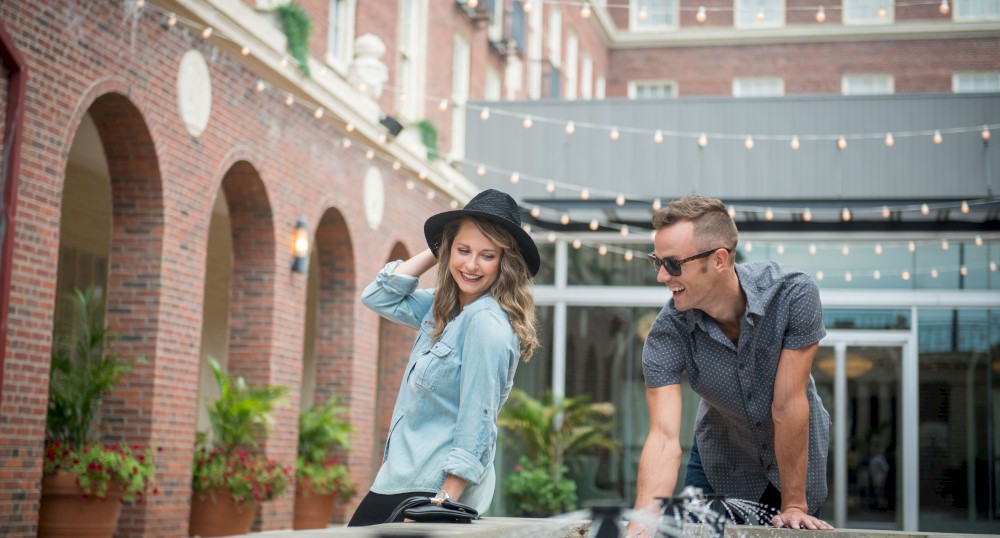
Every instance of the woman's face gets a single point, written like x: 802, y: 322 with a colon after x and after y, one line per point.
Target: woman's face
x: 474, y: 263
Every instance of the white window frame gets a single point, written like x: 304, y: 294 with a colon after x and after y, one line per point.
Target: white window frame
x: 634, y: 85
x: 956, y: 84
x: 410, y: 66
x: 536, y: 45
x: 555, y: 37
x: 340, y: 33
x: 960, y: 11
x: 743, y: 6
x: 672, y: 8
x: 493, y: 86
x: 741, y: 86
x: 572, y: 66
x: 845, y: 82
x: 600, y: 87
x: 461, y: 79
x: 494, y: 29
x: 853, y: 18
x: 587, y: 77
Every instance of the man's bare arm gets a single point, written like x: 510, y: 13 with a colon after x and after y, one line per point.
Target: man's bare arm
x: 661, y: 453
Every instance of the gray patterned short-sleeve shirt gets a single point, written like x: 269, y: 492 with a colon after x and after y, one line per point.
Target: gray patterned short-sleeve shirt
x: 734, y: 428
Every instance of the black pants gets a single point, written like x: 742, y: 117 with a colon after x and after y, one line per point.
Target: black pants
x: 376, y: 508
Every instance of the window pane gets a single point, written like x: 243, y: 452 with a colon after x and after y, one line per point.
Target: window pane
x: 977, y: 9
x: 658, y: 13
x: 760, y: 13
x: 976, y: 82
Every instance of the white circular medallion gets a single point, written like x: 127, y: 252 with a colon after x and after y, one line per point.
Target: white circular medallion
x: 374, y: 197
x: 194, y: 92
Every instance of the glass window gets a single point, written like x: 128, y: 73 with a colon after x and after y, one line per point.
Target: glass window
x: 759, y: 13
x: 959, y: 419
x: 587, y: 77
x: 758, y: 87
x: 866, y: 319
x: 340, y: 31
x: 555, y: 36
x: 651, y: 89
x: 652, y: 14
x: 459, y: 94
x: 409, y: 99
x: 975, y: 82
x: 494, y: 29
x: 587, y: 267
x: 977, y: 10
x: 868, y: 11
x: 874, y: 84
x: 572, y: 50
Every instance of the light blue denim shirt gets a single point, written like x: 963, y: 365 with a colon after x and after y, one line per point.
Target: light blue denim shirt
x: 444, y: 421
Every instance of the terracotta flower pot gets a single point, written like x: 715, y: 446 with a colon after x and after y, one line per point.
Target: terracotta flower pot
x: 312, y: 511
x: 215, y: 513
x: 64, y: 510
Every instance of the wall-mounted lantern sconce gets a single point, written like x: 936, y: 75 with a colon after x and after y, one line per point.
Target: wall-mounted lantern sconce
x: 300, y: 246
x: 392, y: 124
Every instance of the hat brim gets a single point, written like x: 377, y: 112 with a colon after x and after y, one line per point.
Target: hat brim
x: 434, y: 228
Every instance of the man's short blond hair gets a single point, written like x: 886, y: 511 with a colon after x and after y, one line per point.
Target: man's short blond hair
x: 713, y: 227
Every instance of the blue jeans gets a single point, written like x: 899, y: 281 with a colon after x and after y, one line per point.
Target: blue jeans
x: 695, y: 476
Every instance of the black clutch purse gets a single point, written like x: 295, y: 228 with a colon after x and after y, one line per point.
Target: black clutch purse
x: 426, y: 510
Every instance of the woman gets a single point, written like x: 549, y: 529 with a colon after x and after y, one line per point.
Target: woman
x: 473, y: 328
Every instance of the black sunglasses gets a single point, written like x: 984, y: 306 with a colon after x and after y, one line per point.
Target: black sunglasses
x: 674, y: 266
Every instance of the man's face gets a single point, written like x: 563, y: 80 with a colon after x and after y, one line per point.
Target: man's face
x: 693, y: 287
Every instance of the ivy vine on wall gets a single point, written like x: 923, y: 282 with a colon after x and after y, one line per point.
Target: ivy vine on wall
x: 297, y: 26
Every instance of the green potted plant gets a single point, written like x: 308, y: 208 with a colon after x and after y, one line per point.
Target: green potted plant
x: 231, y: 476
x: 320, y: 478
x: 548, y: 431
x: 79, y: 472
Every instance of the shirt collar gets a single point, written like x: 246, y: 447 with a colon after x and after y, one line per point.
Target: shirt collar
x: 751, y: 285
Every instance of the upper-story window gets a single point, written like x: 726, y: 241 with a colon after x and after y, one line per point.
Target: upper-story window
x: 869, y: 11
x: 651, y: 89
x: 759, y: 13
x: 572, y: 51
x: 492, y: 92
x: 652, y: 14
x: 494, y: 30
x: 340, y: 32
x: 409, y: 73
x: 758, y: 87
x: 980, y: 82
x: 867, y: 84
x: 587, y: 77
x: 555, y: 36
x: 461, y: 67
x: 977, y: 10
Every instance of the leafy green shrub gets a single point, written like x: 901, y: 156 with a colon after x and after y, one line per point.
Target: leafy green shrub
x: 532, y: 490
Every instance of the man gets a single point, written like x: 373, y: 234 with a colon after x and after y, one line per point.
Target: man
x: 746, y: 334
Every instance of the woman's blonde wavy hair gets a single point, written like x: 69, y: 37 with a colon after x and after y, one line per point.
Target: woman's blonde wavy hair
x: 510, y: 289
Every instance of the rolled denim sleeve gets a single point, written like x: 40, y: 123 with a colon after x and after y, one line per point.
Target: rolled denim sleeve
x: 489, y: 352
x: 396, y: 297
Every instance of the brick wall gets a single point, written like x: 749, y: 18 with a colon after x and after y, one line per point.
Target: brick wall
x: 273, y: 162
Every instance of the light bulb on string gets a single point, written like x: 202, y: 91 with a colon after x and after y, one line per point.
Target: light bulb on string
x: 473, y: 3
x: 993, y: 267
x: 454, y: 205
x: 585, y: 10
x: 878, y: 248
x: 934, y: 273
x: 819, y: 275
x: 550, y: 187
x: 889, y: 141
x: 768, y: 214
x: 259, y: 86
x: 925, y: 209
x: 944, y: 244
x: 657, y: 204
x: 964, y: 208
x: 937, y: 137
x: 551, y: 237
x: 410, y: 185
x: 885, y: 212
x: 370, y: 154
x: 986, y: 133
x: 821, y: 15
x: 658, y: 136
x: 748, y: 247
x: 319, y: 113
x: 979, y: 240
x: 780, y: 249
x: 140, y: 3
x: 430, y: 195
x: 877, y: 274
x: 526, y: 227
x: 422, y: 175
x: 629, y: 255
x: 760, y: 15
x: 245, y: 51
x: 643, y: 14
x: 171, y: 20
x: 701, y: 15
x: 527, y: 123
x: 290, y: 100
x: 944, y: 8
x: 207, y: 32
x: 594, y: 225
x: 284, y: 63
x: 526, y: 6
x: 564, y: 219
x: 620, y: 200
x: 702, y: 140
x: 748, y: 143
x: 535, y: 211
x: 585, y: 194
x: 346, y: 143
x: 812, y: 248
x: 845, y: 215
x: 964, y: 271
x: 577, y: 243
x: 732, y: 212
x: 570, y: 127
x: 841, y: 143
x: 484, y: 114
x: 515, y: 178
x: 614, y: 135
x: 905, y: 275
x: 602, y: 250
x: 624, y: 231
x: 480, y: 170
x: 882, y: 13
x: 807, y: 215
x: 848, y: 277
x: 912, y: 247
x: 795, y: 142
x: 349, y: 127
x: 443, y: 105
x: 396, y: 165
x: 845, y: 250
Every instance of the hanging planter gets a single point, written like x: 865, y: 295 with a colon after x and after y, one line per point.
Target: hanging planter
x: 296, y: 25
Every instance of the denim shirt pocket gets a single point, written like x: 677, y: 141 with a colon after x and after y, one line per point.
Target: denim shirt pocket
x: 429, y: 368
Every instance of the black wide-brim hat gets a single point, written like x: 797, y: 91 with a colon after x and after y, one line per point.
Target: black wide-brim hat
x: 494, y: 206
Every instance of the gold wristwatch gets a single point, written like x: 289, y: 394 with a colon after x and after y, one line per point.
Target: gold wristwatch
x: 440, y: 498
